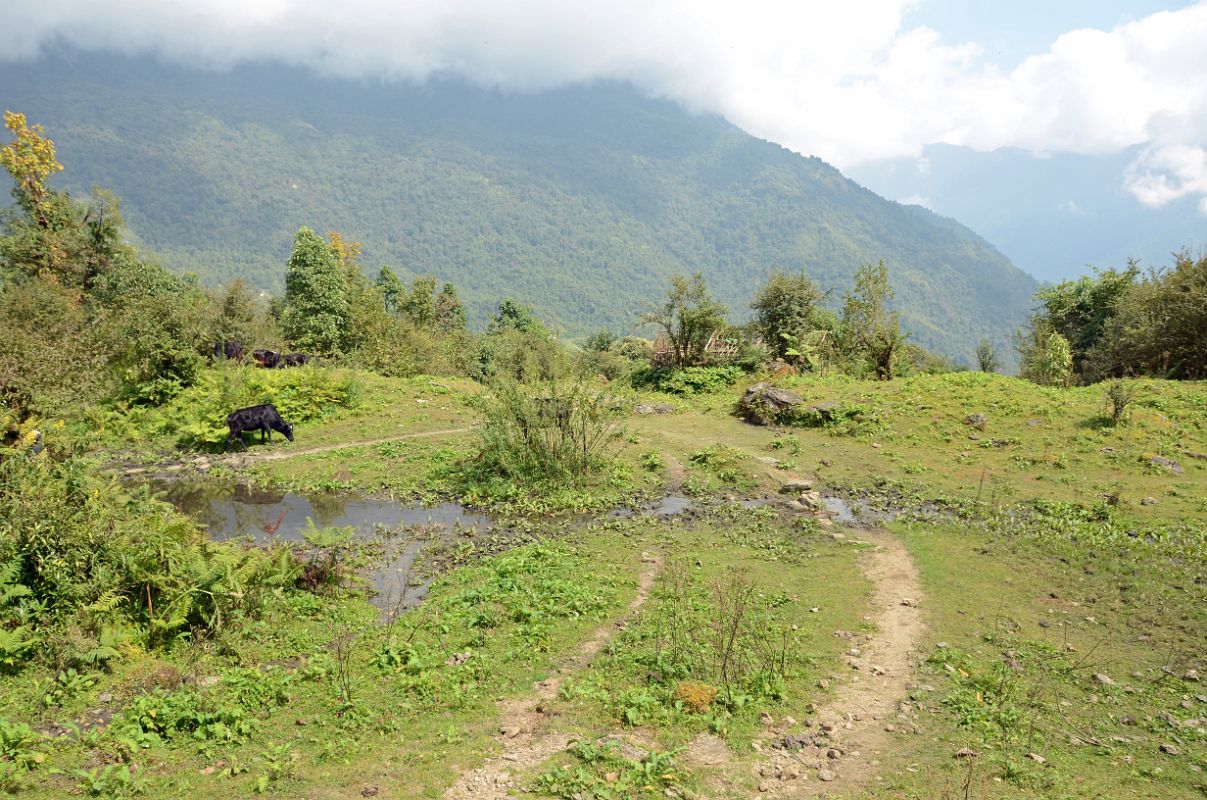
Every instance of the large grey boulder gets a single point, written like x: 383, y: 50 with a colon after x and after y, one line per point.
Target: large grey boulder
x: 764, y: 404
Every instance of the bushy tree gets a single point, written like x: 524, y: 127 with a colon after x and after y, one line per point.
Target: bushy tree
x: 869, y: 333
x: 1159, y: 326
x: 419, y: 304
x: 315, y: 311
x: 450, y: 313
x: 1079, y: 309
x: 986, y: 357
x: 392, y: 290
x: 785, y: 310
x: 513, y: 316
x: 689, y: 316
x: 1045, y: 356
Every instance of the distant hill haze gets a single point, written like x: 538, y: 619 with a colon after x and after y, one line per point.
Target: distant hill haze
x: 581, y: 202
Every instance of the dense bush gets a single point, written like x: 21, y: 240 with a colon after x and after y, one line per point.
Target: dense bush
x: 197, y: 416
x: 91, y: 565
x: 560, y: 432
x: 688, y: 381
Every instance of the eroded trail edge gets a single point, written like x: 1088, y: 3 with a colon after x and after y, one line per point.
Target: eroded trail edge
x: 838, y: 747
x: 522, y: 723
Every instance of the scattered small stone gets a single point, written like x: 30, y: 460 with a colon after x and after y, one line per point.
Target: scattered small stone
x: 966, y: 752
x: 766, y: 719
x: 457, y: 659
x: 876, y: 670
x: 369, y: 791
x: 1170, y: 750
x: 1127, y: 720
x: 1037, y: 758
x: 1191, y: 675
x: 798, y: 742
x: 906, y: 601
x: 796, y: 486
x: 826, y: 775
x: 790, y: 773
x: 1148, y: 501
x: 833, y: 754
x: 875, y: 446
x: 823, y: 684
x: 1103, y: 679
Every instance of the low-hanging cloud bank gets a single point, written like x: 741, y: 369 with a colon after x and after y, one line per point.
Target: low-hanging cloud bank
x: 849, y: 82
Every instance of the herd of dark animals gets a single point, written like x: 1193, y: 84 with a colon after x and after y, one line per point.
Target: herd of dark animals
x: 269, y: 359
x: 264, y: 417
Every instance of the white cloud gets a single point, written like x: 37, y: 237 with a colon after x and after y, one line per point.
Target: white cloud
x: 1166, y: 173
x: 847, y: 81
x: 916, y: 200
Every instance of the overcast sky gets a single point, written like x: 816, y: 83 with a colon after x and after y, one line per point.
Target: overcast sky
x: 849, y: 81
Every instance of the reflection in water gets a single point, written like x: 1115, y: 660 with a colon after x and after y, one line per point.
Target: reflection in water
x: 239, y: 511
x: 842, y: 511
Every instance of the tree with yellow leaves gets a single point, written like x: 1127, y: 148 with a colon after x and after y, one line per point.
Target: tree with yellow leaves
x: 30, y: 159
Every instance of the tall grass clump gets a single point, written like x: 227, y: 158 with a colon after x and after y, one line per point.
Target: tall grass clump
x: 553, y: 432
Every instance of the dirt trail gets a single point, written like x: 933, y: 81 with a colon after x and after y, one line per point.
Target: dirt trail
x: 521, y: 722
x: 851, y: 732
x: 276, y: 455
x: 246, y: 458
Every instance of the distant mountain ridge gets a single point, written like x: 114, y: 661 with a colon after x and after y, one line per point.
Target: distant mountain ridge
x: 581, y: 202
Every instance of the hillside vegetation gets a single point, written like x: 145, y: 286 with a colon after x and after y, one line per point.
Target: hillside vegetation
x: 580, y: 202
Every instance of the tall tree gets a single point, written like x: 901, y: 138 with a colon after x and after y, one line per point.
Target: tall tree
x: 392, y: 290
x: 785, y: 310
x: 869, y: 331
x: 420, y: 303
x: 450, y: 313
x: 315, y: 311
x: 689, y: 316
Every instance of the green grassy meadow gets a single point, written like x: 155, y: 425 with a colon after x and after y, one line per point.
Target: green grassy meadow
x: 1064, y: 580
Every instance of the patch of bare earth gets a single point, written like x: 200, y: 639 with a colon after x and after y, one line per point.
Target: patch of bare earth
x: 838, y: 747
x: 523, y: 737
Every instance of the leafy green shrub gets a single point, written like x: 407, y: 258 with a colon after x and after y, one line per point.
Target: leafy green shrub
x: 559, y: 434
x: 111, y: 780
x: 98, y: 556
x: 687, y: 381
x: 198, y: 415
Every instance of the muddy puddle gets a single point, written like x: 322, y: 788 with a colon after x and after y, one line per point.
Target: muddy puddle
x: 403, y: 531
x: 242, y: 512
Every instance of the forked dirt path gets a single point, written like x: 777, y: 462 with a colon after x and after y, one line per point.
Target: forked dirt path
x: 844, y: 740
x: 522, y: 733
x: 247, y: 458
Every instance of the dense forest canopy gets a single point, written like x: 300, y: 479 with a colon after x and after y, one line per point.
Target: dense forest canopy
x: 581, y: 203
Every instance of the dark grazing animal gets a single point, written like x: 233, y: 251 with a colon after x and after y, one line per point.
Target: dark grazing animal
x: 263, y: 418
x: 231, y: 351
x: 269, y: 359
x: 294, y: 359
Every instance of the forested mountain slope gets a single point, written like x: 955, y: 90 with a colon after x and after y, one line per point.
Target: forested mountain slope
x: 580, y: 202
